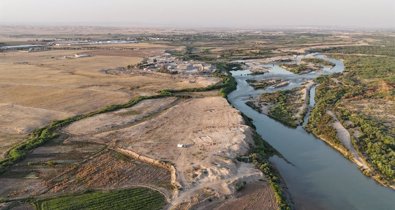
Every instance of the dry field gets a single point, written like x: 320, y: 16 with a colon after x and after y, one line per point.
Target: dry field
x: 70, y: 163
x: 120, y: 119
x: 39, y: 87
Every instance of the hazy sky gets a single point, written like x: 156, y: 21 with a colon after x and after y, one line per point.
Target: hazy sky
x: 201, y: 13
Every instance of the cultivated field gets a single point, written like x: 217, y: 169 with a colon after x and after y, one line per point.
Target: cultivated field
x: 131, y: 199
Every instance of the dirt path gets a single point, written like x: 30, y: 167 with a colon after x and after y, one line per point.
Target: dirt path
x: 345, y: 138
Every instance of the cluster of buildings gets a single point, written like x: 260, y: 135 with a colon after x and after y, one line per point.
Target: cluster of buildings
x: 26, y: 47
x: 170, y: 64
x: 91, y: 42
x: 46, y: 44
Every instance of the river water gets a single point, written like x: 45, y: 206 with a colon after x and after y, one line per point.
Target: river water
x: 317, y: 177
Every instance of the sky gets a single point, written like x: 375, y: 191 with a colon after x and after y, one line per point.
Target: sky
x: 201, y: 13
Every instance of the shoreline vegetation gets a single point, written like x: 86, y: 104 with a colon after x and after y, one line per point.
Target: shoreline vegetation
x: 259, y: 155
x: 276, y: 106
x: 318, y: 61
x: 346, y: 96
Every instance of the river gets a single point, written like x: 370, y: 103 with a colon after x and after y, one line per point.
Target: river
x: 318, y: 177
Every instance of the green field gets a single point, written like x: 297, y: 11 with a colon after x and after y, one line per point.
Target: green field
x: 136, y: 198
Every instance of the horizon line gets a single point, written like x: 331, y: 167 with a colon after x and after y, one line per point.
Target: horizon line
x: 170, y: 26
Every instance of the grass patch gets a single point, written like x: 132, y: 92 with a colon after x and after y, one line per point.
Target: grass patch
x: 136, y: 198
x: 295, y: 68
x: 130, y: 112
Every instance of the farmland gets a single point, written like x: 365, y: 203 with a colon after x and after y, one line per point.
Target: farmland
x: 136, y: 198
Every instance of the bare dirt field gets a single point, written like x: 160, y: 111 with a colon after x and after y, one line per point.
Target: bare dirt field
x: 121, y: 118
x: 251, y: 197
x: 17, y: 121
x: 213, y: 135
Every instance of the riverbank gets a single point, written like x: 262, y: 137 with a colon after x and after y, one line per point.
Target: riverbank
x: 344, y: 106
x: 364, y: 166
x: 260, y: 155
x: 318, y: 173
